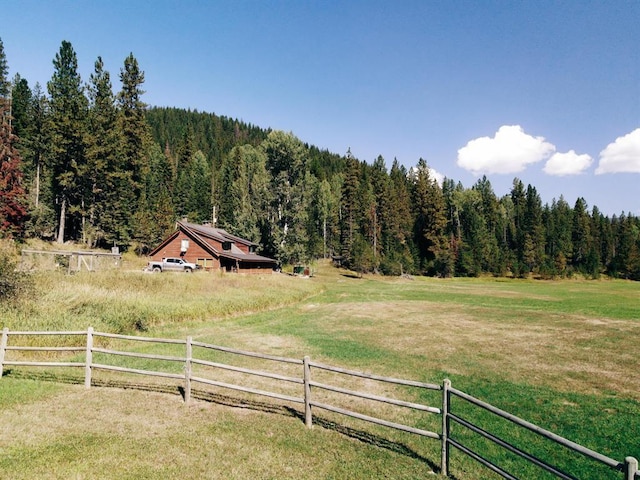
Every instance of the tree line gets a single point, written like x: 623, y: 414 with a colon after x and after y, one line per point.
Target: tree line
x: 82, y: 163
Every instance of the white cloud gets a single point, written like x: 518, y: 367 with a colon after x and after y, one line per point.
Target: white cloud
x: 436, y: 175
x: 623, y: 155
x: 509, y: 151
x: 570, y: 163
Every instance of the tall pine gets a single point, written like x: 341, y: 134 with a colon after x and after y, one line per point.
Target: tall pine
x: 110, y: 181
x: 68, y: 142
x: 133, y: 127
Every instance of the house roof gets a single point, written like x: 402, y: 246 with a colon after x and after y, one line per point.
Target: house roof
x: 202, y: 234
x: 216, y: 233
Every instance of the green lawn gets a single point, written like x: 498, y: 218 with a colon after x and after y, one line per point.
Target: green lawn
x: 557, y: 353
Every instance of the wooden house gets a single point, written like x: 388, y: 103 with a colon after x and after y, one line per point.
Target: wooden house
x: 213, y: 249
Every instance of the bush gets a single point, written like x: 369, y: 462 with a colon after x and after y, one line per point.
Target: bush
x: 12, y: 282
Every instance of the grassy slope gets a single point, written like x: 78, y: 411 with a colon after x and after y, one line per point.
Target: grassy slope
x: 556, y: 353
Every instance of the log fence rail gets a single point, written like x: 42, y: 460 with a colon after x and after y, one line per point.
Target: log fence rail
x: 628, y: 468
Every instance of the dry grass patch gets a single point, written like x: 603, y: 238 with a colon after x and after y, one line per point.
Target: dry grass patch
x: 130, y: 434
x: 567, y: 352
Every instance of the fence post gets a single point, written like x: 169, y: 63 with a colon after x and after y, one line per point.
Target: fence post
x: 187, y: 371
x: 88, y: 358
x: 446, y: 398
x: 308, y: 417
x: 3, y: 347
x: 630, y: 468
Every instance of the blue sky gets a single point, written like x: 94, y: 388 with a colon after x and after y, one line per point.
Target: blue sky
x: 546, y: 91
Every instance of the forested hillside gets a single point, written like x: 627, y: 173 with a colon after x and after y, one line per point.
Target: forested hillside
x: 82, y: 163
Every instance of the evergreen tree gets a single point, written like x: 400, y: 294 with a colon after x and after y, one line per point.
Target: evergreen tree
x: 533, y: 252
x: 349, y: 209
x: 5, y: 86
x: 430, y: 223
x: 37, y: 156
x: 398, y: 241
x: 603, y: 238
x: 582, y: 239
x: 199, y: 195
x: 475, y: 245
x: 516, y: 231
x: 487, y: 208
x: 68, y: 144
x: 559, y: 246
x: 626, y: 262
x: 381, y: 222
x: 133, y: 124
x: 155, y: 217
x: 184, y: 166
x: 110, y: 214
x: 21, y: 99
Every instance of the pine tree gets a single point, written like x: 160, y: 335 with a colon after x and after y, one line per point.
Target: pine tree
x: 559, y: 247
x: 21, y: 99
x: 184, y: 167
x: 399, y: 257
x: 382, y: 222
x: 199, y: 194
x: 133, y: 125
x: 430, y: 223
x: 110, y: 214
x: 516, y: 228
x: 349, y: 208
x: 155, y: 217
x: 37, y: 156
x: 5, y: 86
x: 534, y: 230
x: 68, y: 143
x: 581, y: 237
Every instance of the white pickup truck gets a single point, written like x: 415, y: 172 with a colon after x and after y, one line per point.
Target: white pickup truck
x: 171, y: 264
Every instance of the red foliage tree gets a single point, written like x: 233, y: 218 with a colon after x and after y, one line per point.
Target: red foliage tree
x: 13, y: 211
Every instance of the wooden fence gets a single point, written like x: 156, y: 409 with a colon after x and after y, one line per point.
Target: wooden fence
x: 628, y: 468
x: 71, y: 261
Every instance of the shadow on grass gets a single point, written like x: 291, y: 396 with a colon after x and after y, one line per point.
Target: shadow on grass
x: 235, y: 402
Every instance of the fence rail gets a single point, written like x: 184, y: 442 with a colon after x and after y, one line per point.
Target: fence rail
x: 628, y: 467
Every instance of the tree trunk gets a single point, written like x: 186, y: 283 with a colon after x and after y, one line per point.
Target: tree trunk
x: 63, y: 213
x: 38, y: 183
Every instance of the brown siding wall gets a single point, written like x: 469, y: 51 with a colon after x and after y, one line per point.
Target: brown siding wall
x: 257, y: 271
x: 244, y: 248
x: 256, y: 268
x: 194, y: 252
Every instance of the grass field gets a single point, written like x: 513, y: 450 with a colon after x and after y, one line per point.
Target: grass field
x: 561, y: 354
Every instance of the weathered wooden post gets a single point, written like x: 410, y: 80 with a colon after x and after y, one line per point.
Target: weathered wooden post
x: 446, y: 398
x: 630, y: 468
x: 187, y: 371
x: 88, y: 358
x: 308, y: 417
x: 3, y: 347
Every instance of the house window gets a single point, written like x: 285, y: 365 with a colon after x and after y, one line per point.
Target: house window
x: 184, y: 245
x: 205, y: 263
x: 252, y: 249
x: 226, y: 245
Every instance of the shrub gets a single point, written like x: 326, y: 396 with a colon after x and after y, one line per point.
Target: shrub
x: 12, y: 282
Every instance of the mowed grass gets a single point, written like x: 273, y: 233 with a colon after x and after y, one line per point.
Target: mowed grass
x: 561, y: 354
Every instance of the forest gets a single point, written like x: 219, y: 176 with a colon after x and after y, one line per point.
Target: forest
x: 82, y: 163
